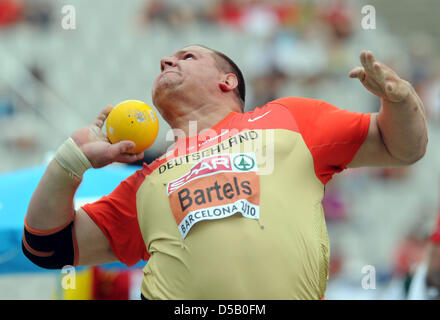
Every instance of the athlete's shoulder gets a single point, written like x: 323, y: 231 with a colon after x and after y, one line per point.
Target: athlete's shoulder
x: 272, y: 115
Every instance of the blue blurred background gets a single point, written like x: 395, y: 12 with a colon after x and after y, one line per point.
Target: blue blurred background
x: 54, y: 80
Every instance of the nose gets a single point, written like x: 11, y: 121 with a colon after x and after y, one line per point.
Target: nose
x: 167, y: 62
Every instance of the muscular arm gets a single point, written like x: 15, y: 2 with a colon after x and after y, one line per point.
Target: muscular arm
x: 93, y: 246
x: 52, y: 206
x: 397, y: 135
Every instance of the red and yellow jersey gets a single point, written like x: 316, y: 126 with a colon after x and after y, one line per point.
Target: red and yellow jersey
x: 235, y: 212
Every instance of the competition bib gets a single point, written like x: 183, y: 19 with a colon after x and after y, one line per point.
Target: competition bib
x: 214, y: 188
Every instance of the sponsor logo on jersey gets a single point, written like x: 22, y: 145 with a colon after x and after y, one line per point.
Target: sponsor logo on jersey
x: 216, y: 187
x: 257, y: 118
x: 216, y: 164
x: 217, y: 149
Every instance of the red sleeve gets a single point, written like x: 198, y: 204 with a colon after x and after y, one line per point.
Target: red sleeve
x: 332, y: 135
x: 116, y: 215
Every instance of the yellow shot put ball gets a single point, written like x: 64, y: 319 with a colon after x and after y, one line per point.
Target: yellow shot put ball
x: 135, y: 121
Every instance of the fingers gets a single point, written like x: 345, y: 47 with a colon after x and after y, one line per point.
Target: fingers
x: 119, y: 152
x: 99, y: 121
x: 123, y: 146
x: 370, y: 64
x: 379, y: 79
x: 129, y: 158
x: 358, y: 72
x: 367, y: 60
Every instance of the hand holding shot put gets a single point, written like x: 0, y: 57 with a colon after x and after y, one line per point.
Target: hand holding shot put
x: 87, y: 148
x: 98, y: 149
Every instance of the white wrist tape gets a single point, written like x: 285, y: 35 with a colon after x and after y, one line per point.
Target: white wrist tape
x: 72, y: 159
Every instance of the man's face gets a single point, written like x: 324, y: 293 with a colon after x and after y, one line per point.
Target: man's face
x: 191, y: 72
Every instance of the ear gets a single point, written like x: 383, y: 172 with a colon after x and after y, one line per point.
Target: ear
x: 228, y: 82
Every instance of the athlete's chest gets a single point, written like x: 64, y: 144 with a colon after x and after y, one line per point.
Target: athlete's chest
x: 220, y: 180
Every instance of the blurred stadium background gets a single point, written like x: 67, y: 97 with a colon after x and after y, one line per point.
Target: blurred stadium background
x: 53, y: 81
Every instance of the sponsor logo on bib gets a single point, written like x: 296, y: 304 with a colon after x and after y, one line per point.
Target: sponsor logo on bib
x: 214, y: 188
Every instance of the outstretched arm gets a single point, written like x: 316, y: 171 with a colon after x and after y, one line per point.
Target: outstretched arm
x: 397, y: 135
